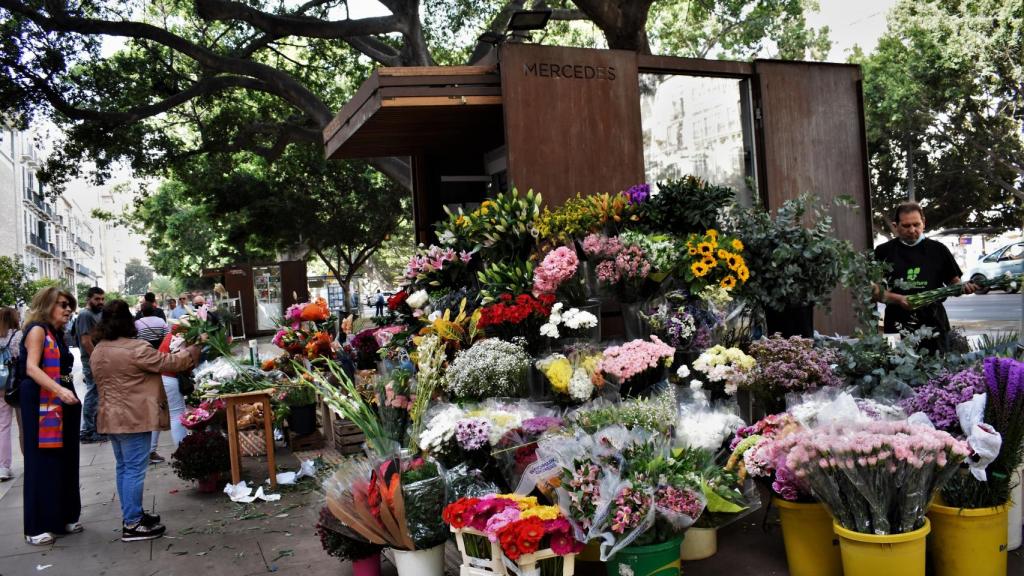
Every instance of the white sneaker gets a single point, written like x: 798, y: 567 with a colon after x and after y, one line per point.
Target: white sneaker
x: 73, y: 528
x: 5, y: 474
x: 44, y: 539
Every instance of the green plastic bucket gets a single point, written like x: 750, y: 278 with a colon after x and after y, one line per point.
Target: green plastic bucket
x: 654, y: 560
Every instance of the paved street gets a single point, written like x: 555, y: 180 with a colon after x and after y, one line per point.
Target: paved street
x: 989, y: 313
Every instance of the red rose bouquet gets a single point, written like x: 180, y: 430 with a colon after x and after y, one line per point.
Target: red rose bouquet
x: 517, y: 317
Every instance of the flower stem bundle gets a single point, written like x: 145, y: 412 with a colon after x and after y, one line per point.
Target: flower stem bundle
x: 928, y: 297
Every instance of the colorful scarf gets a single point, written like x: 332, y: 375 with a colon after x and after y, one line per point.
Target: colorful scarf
x: 51, y: 411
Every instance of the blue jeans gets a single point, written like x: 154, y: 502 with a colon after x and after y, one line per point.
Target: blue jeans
x: 132, y: 454
x: 176, y: 406
x: 89, y: 405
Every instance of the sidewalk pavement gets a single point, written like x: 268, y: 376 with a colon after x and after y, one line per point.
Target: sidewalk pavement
x: 206, y: 533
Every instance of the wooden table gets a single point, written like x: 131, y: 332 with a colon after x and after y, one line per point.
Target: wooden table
x: 256, y: 397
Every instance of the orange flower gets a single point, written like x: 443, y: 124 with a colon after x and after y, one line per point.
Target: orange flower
x: 316, y: 311
x: 319, y: 345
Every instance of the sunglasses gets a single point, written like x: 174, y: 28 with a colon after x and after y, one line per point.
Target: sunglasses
x: 64, y: 304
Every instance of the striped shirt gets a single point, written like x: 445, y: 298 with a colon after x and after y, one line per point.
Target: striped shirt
x: 152, y: 329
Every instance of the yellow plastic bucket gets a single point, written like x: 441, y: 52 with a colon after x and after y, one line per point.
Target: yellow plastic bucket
x: 968, y: 540
x: 812, y: 548
x: 891, y: 555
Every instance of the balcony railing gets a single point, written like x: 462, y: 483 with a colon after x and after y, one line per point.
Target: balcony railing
x: 84, y: 271
x: 85, y: 247
x: 39, y: 242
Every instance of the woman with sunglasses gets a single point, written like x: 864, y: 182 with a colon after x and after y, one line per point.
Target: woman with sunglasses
x: 51, y: 413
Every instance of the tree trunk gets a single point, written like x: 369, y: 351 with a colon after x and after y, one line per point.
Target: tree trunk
x: 908, y: 148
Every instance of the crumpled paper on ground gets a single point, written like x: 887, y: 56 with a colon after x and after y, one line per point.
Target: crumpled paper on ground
x: 985, y: 442
x: 242, y: 493
x: 306, y: 468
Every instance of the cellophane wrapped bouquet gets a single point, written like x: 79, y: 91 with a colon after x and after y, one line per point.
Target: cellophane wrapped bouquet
x: 393, y: 501
x: 876, y: 477
x: 622, y: 486
x: 519, y: 524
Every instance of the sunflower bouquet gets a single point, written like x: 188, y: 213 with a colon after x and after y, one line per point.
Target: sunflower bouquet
x: 712, y: 259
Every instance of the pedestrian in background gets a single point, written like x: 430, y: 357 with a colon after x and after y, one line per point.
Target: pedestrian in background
x: 51, y: 413
x: 10, y: 349
x: 133, y: 405
x: 175, y: 400
x: 174, y: 312
x: 151, y: 327
x: 379, y: 304
x: 149, y: 304
x: 87, y: 320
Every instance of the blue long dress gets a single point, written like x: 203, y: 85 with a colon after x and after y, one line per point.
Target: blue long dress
x: 52, y: 497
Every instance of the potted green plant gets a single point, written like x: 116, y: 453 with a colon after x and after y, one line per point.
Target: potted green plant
x: 202, y: 456
x: 795, y: 262
x: 301, y: 403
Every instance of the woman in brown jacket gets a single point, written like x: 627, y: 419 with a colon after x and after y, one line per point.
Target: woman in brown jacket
x: 132, y: 405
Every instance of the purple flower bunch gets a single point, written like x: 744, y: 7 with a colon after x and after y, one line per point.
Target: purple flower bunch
x: 472, y: 433
x: 1004, y: 382
x: 541, y: 424
x: 939, y: 397
x: 787, y: 365
x: 638, y: 193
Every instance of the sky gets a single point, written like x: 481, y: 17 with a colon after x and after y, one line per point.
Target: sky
x: 851, y: 23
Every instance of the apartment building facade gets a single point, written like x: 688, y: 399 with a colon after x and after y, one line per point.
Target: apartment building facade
x: 55, y: 238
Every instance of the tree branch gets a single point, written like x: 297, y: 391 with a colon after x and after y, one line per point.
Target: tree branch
x: 498, y: 25
x: 204, y: 87
x: 278, y: 82
x: 281, y: 25
x: 376, y: 50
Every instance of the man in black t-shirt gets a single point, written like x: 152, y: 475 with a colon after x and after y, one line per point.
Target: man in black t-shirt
x: 918, y: 264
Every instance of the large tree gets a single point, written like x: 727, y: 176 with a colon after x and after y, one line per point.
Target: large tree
x: 246, y: 208
x: 137, y: 277
x: 944, y: 100
x: 225, y: 76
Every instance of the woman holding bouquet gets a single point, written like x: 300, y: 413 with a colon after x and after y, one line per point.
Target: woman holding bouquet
x: 133, y: 404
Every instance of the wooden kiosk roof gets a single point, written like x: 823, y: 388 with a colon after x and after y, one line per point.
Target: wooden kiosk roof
x: 563, y: 121
x: 402, y: 111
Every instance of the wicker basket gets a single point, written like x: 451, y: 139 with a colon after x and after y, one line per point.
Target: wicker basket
x: 252, y: 442
x: 495, y: 565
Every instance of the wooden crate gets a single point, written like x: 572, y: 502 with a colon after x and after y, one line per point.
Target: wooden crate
x: 348, y: 438
x: 305, y: 442
x: 252, y: 442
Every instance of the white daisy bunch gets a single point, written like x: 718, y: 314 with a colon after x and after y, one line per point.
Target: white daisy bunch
x: 571, y: 321
x: 490, y: 368
x: 440, y: 428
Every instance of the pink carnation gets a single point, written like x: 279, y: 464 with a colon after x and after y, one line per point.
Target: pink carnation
x: 632, y: 358
x: 558, y: 266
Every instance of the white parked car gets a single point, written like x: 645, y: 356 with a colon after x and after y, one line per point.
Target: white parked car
x: 998, y: 262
